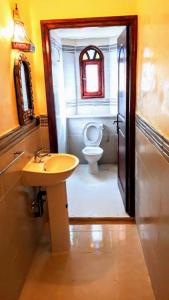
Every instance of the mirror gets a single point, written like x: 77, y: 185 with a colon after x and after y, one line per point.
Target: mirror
x: 23, y: 88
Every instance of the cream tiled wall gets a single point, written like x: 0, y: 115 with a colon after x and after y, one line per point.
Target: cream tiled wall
x: 44, y: 133
x: 19, y: 230
x: 152, y: 212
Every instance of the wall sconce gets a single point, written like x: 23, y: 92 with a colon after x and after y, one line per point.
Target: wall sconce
x: 20, y: 39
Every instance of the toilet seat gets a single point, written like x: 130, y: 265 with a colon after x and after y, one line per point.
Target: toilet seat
x: 92, y: 151
x: 92, y: 134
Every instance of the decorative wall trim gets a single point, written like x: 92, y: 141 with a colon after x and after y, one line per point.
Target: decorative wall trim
x: 91, y: 102
x: 73, y: 49
x: 161, y: 143
x: 16, y: 135
x: 43, y: 121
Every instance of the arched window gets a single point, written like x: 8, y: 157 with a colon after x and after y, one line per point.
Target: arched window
x: 92, y: 73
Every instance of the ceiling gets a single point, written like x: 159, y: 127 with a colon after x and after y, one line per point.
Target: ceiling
x: 89, y: 32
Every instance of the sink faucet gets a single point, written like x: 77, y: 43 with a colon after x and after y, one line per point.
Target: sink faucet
x: 39, y: 154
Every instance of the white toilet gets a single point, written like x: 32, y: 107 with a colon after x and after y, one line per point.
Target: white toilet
x: 92, y: 135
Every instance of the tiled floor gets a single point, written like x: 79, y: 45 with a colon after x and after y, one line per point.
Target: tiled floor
x: 105, y: 263
x: 95, y: 196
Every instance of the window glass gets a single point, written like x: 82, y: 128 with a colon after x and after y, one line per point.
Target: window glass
x: 85, y: 56
x: 92, y: 78
x: 97, y: 56
x: 91, y: 73
x: 91, y: 53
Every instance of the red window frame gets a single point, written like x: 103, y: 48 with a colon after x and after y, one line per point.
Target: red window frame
x: 100, y: 63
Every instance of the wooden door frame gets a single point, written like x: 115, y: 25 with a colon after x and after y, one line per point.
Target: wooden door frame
x: 131, y: 23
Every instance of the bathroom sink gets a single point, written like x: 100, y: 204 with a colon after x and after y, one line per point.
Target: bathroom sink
x: 52, y: 169
x: 51, y: 173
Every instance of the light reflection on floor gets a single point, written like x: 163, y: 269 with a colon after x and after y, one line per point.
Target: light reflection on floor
x: 105, y: 262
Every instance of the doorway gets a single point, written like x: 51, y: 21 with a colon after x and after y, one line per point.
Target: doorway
x: 126, y: 145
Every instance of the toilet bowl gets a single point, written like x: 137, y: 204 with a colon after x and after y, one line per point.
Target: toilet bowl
x: 92, y: 135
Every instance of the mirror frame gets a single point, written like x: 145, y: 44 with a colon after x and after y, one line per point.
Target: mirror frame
x: 24, y: 116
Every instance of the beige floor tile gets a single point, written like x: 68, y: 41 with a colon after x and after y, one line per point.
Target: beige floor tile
x: 112, y: 268
x: 103, y: 227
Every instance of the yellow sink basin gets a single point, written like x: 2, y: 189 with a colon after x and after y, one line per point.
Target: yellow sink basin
x: 52, y: 170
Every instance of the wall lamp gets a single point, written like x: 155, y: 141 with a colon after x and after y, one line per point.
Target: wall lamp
x: 20, y: 38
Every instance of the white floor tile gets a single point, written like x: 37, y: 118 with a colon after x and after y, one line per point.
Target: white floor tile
x: 94, y: 196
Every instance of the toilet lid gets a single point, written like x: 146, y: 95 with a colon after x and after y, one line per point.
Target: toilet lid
x: 92, y: 134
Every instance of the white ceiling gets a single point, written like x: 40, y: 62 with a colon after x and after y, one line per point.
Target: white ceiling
x: 89, y: 32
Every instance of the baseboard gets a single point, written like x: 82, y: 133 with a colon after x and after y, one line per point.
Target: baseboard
x: 106, y: 220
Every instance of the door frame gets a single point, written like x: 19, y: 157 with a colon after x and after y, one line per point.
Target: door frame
x: 131, y: 23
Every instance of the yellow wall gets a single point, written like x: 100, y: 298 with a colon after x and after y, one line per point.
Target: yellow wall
x: 8, y: 111
x: 7, y: 99
x: 52, y: 9
x: 31, y: 13
x: 153, y: 58
x: 153, y: 64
